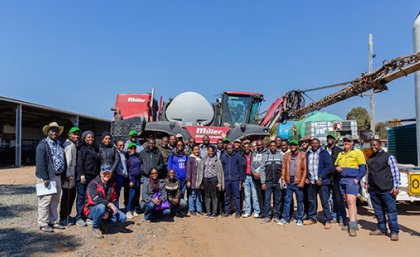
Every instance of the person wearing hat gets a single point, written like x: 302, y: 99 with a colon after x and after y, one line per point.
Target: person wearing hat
x: 351, y: 165
x: 237, y: 146
x: 50, y: 164
x: 305, y: 143
x: 101, y: 199
x: 338, y: 207
x: 293, y: 178
x: 69, y: 179
x: 132, y: 138
x: 86, y: 171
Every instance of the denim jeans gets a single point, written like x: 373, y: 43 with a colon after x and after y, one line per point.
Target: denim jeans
x: 134, y: 191
x: 119, y: 186
x: 260, y: 195
x: 98, y: 211
x: 323, y: 191
x: 275, y: 190
x: 194, y: 200
x: 384, y: 203
x: 251, y: 193
x: 232, y: 188
x: 290, y: 188
x: 81, y: 195
x: 150, y: 211
x: 183, y: 183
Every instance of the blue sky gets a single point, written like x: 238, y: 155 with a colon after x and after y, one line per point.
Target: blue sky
x: 78, y: 55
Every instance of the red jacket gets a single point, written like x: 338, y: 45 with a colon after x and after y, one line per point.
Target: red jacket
x: 97, y: 192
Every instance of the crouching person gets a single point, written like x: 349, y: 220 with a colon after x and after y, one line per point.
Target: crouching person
x: 154, y: 196
x: 173, y: 189
x: 101, y: 198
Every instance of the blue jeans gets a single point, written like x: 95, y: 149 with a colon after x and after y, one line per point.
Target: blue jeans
x: 384, y: 203
x: 324, y: 192
x: 183, y: 183
x: 272, y: 189
x: 251, y: 192
x: 150, y: 211
x: 120, y: 184
x: 232, y: 188
x: 290, y: 188
x: 81, y: 195
x: 134, y: 191
x: 194, y: 200
x: 98, y: 211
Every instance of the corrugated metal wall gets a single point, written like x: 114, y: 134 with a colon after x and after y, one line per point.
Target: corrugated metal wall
x: 402, y: 143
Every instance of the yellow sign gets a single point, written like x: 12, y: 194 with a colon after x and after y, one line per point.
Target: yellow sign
x: 414, y: 187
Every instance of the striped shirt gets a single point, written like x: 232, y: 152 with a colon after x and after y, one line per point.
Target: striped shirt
x: 392, y: 162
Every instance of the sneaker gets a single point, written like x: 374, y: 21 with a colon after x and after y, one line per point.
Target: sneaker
x: 341, y: 223
x: 213, y: 216
x: 276, y: 220
x: 394, y: 237
x: 256, y: 215
x: 237, y: 216
x: 135, y: 214
x: 246, y: 215
x: 344, y: 228
x: 352, y: 232
x: 193, y: 213
x: 88, y: 222
x: 72, y: 221
x: 309, y: 222
x: 208, y: 215
x: 64, y: 223
x: 299, y: 223
x: 47, y: 229
x: 224, y: 215
x: 327, y: 225
x: 265, y: 220
x: 96, y: 233
x: 129, y: 215
x: 57, y: 226
x: 377, y: 232
x: 200, y: 213
x: 81, y: 223
x: 282, y: 222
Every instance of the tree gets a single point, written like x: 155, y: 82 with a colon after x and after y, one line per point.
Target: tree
x: 381, y: 130
x: 361, y: 115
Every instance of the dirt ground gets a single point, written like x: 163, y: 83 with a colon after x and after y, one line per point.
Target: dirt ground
x: 191, y: 236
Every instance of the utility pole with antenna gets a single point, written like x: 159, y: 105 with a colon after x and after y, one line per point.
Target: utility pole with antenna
x: 372, y: 97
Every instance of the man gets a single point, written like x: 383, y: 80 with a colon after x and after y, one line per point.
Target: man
x: 191, y: 144
x: 284, y: 147
x: 165, y: 150
x: 293, y: 179
x: 257, y: 167
x: 237, y: 146
x: 122, y: 174
x: 351, y: 165
x: 173, y: 190
x: 219, y: 148
x: 234, y: 175
x: 150, y: 158
x: 338, y: 206
x: 100, y: 205
x: 204, y: 146
x: 305, y: 143
x: 270, y: 179
x: 172, y: 142
x: 319, y: 182
x: 249, y: 185
x: 50, y: 164
x: 384, y: 181
x: 278, y: 142
x: 69, y: 180
x: 132, y: 138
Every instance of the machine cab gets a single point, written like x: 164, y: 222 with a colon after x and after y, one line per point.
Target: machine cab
x: 240, y: 108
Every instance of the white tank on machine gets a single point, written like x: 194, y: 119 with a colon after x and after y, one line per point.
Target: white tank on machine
x: 190, y: 109
x: 416, y: 41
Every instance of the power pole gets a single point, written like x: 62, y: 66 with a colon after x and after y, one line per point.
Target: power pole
x: 372, y: 97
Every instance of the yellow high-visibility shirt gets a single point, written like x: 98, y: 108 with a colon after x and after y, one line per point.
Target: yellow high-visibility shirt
x: 351, y: 159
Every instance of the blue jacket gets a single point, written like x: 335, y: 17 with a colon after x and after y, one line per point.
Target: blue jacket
x: 232, y: 166
x: 178, y: 163
x: 324, y: 168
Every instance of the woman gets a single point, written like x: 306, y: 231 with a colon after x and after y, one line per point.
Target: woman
x: 210, y: 176
x: 86, y: 171
x: 351, y: 165
x: 154, y: 196
x: 134, y: 175
x: 194, y: 193
x: 177, y: 161
x: 108, y: 154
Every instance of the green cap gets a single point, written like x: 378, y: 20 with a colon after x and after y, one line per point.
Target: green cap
x: 293, y: 142
x: 133, y: 133
x: 349, y: 137
x: 226, y: 140
x: 332, y: 134
x: 131, y: 144
x: 74, y: 129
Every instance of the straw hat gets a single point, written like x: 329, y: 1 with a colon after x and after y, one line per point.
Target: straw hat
x: 52, y: 125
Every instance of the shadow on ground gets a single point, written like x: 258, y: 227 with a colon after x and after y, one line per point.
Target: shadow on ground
x: 17, y: 242
x: 9, y: 211
x: 17, y: 190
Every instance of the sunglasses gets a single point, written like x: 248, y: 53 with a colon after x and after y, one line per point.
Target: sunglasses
x: 346, y: 141
x: 306, y: 142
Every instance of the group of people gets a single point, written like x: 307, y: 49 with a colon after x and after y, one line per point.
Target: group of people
x: 176, y: 177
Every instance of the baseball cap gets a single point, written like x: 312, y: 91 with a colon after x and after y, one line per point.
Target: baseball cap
x: 74, y: 129
x: 133, y: 133
x: 331, y: 134
x: 293, y: 142
x: 131, y: 144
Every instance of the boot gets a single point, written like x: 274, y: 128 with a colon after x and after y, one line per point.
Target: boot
x: 352, y: 228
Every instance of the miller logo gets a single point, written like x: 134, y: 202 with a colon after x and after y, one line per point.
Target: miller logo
x: 136, y: 100
x: 208, y: 131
